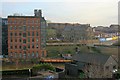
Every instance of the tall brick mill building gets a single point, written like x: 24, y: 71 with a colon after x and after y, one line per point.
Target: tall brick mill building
x: 27, y: 36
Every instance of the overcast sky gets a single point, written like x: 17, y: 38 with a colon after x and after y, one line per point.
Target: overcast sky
x: 94, y: 12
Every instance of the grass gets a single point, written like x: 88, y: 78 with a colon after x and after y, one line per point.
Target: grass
x: 54, y: 51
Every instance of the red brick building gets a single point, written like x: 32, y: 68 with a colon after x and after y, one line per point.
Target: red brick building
x: 25, y: 36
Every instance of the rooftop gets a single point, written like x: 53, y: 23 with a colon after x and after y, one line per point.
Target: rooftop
x: 96, y: 58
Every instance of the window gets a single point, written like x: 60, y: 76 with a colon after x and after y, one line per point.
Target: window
x: 37, y: 34
x: 107, y: 67
x: 24, y: 48
x: 15, y: 28
x: 24, y: 41
x: 28, y: 55
x: 20, y: 34
x: 15, y: 55
x: 114, y: 67
x: 24, y: 28
x: 32, y: 54
x: 24, y: 21
x: 28, y: 46
x: 42, y: 53
x: 37, y: 46
x: 37, y: 54
x: 32, y: 27
x: 28, y: 33
x: 10, y: 27
x: 20, y: 27
x: 15, y: 21
x: 37, y: 21
x: 37, y: 27
x: 28, y: 39
x: 36, y: 39
x: 20, y: 54
x: 15, y: 47
x: 11, y: 40
x: 20, y: 47
x: 15, y: 34
x: 32, y: 33
x: 32, y: 21
x: 28, y: 27
x: 11, y: 34
x: 11, y: 47
x: 24, y: 34
x: 32, y: 39
x: 24, y: 55
x: 11, y: 54
x: 32, y: 45
x: 15, y: 40
x: 20, y: 40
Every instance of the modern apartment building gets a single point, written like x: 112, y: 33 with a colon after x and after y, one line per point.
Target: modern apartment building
x: 0, y: 36
x: 4, y: 37
x: 27, y: 36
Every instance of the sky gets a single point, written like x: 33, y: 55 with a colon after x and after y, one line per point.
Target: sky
x: 93, y: 12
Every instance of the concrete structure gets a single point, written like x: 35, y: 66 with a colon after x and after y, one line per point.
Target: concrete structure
x: 27, y: 36
x: 4, y: 37
x: 93, y: 65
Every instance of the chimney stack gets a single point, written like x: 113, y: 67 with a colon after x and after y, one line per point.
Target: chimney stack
x: 37, y: 13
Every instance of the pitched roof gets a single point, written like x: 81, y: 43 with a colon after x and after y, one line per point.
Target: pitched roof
x: 95, y: 58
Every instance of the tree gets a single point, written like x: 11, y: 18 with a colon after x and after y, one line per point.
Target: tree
x: 93, y: 70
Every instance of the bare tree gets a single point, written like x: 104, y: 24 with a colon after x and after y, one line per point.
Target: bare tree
x: 93, y: 70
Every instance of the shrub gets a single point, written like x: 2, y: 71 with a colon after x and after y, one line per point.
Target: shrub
x: 42, y: 66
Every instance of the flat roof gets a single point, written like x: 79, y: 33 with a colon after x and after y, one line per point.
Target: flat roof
x: 23, y: 16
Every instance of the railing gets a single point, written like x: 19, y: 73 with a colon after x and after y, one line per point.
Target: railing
x: 55, y: 60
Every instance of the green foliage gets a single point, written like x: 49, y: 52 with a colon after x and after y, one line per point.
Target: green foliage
x: 54, y: 51
x: 45, y: 66
x: 81, y: 75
